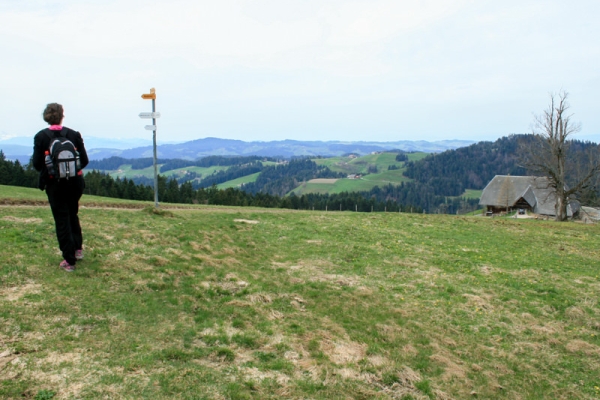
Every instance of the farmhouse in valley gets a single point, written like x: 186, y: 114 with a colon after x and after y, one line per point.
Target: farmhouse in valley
x: 506, y: 193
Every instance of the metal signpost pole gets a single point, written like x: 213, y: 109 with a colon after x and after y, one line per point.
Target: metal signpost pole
x: 153, y: 115
x: 155, y: 161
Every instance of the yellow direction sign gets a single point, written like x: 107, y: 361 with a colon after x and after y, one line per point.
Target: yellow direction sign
x: 149, y: 96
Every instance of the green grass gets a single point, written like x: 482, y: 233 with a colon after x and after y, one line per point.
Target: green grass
x: 244, y: 303
x: 234, y: 183
x: 385, y: 177
x: 416, y: 156
x: 125, y: 171
x: 365, y: 183
x: 320, y: 188
x: 360, y: 165
x: 472, y: 194
x: 341, y: 185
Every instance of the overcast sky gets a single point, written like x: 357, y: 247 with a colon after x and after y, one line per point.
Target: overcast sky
x: 381, y: 70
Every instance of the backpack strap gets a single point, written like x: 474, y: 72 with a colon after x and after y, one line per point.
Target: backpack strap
x: 49, y: 133
x: 52, y: 135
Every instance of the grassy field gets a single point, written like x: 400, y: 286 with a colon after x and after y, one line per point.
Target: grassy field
x: 359, y: 166
x: 472, y: 194
x: 237, y: 182
x: 125, y: 171
x: 241, y: 303
x: 341, y: 185
x: 365, y: 183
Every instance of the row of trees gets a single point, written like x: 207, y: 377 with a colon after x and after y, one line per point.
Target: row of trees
x: 14, y: 174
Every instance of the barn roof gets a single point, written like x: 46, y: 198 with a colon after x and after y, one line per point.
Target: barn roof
x: 506, y: 190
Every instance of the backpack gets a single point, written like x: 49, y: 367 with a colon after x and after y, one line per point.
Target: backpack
x: 64, y: 156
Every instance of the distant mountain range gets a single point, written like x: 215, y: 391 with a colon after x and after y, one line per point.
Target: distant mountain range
x: 285, y: 148
x: 98, y: 148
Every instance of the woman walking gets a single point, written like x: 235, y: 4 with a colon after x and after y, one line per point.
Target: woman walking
x: 63, y: 186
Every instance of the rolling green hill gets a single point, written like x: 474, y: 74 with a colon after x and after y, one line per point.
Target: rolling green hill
x: 235, y: 183
x: 359, y: 165
x: 247, y: 303
x: 125, y: 171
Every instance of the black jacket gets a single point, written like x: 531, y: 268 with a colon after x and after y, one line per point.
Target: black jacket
x: 41, y: 143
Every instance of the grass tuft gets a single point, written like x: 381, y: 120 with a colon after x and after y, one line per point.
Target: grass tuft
x: 158, y: 212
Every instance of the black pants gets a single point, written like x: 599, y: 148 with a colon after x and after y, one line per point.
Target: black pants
x: 64, y: 202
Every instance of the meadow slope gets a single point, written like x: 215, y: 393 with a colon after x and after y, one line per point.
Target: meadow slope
x: 239, y: 303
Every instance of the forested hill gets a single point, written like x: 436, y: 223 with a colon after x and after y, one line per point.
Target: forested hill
x: 280, y: 179
x: 471, y: 167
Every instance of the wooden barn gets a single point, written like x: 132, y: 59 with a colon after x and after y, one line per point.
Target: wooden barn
x: 506, y: 193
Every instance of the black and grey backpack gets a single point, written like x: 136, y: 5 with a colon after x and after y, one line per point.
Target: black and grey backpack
x: 64, y: 155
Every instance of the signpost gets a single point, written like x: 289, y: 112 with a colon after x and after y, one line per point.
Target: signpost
x: 153, y: 115
x: 149, y: 115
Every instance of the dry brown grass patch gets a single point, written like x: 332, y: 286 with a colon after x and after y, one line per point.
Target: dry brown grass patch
x: 378, y: 361
x: 410, y: 350
x: 260, y: 298
x: 55, y: 358
x: 575, y: 313
x: 215, y: 262
x: 343, y: 352
x: 231, y: 286
x: 315, y: 272
x: 338, y: 280
x: 10, y: 218
x: 481, y: 302
x: 581, y: 346
x: 16, y: 292
x: 453, y: 366
x: 201, y: 247
x: 275, y: 315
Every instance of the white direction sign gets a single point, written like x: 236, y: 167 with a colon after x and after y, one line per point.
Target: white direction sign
x: 149, y: 115
x: 150, y: 127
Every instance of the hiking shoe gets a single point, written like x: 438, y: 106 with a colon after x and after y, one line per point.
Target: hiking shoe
x: 79, y: 254
x: 66, y: 266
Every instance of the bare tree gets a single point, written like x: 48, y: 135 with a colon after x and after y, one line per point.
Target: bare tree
x: 548, y: 154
